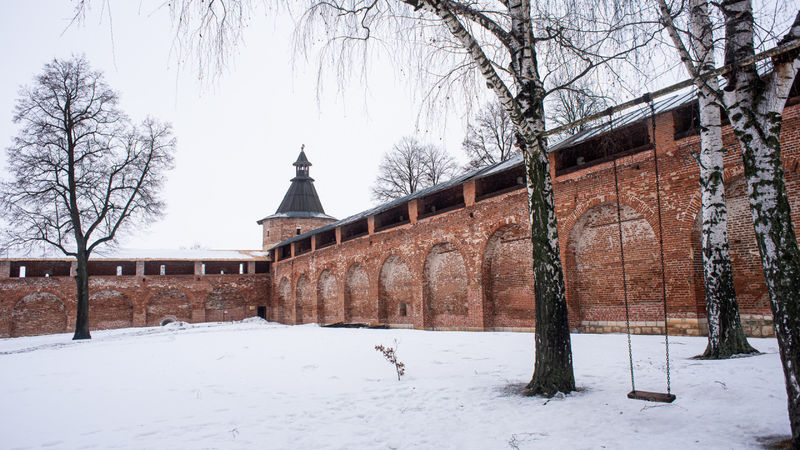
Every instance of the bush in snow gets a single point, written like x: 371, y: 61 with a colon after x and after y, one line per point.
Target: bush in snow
x: 391, y: 355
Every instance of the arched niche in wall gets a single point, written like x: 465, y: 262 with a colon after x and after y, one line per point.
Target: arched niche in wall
x: 328, y: 305
x: 282, y: 301
x: 303, y: 294
x: 396, y: 289
x: 445, y: 286
x: 595, y: 270
x: 168, y: 305
x: 507, y: 276
x: 109, y: 309
x: 38, y: 313
x: 358, y: 307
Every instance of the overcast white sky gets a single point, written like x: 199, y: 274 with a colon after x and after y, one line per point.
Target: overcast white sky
x: 237, y: 136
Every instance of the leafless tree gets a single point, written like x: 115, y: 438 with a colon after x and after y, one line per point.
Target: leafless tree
x: 409, y: 167
x: 81, y: 173
x: 439, y: 165
x: 574, y: 102
x: 490, y: 137
x: 455, y: 47
x: 725, y: 334
x: 754, y: 101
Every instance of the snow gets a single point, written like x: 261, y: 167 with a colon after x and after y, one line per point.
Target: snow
x: 149, y: 254
x: 254, y: 384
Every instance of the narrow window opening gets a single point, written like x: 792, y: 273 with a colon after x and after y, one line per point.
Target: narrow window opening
x: 163, y: 270
x: 403, y: 309
x: 267, y: 233
x: 202, y: 269
x: 298, y: 231
x: 119, y: 270
x: 241, y: 269
x: 22, y: 271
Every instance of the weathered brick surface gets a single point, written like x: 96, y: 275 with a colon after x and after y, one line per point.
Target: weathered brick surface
x: 277, y: 229
x: 38, y: 313
x: 110, y: 309
x: 42, y: 305
x: 466, y: 267
x: 469, y: 268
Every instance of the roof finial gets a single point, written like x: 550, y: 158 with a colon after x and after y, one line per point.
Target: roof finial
x: 302, y: 147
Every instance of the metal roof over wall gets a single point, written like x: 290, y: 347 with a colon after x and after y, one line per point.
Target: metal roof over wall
x: 598, y: 128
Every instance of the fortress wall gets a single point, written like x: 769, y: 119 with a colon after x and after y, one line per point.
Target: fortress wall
x: 468, y: 268
x: 43, y: 305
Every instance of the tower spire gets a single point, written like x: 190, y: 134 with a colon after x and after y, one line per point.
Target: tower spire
x: 302, y: 164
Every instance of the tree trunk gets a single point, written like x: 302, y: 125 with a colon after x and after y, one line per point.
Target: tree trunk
x: 780, y: 255
x: 553, y: 367
x: 725, y: 334
x: 82, y: 280
x: 755, y: 107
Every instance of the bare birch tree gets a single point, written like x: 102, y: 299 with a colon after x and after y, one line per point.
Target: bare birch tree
x: 409, y: 167
x: 754, y: 102
x: 510, y: 47
x: 502, y: 41
x: 81, y: 172
x: 725, y: 334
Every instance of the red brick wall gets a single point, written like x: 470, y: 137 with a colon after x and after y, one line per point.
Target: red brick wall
x: 396, y: 294
x: 40, y: 305
x: 358, y: 307
x: 38, y: 313
x: 508, y: 278
x: 281, y: 228
x: 330, y: 310
x: 470, y: 268
x: 110, y: 309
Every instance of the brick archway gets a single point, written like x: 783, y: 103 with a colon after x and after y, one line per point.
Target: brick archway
x: 38, y: 313
x: 304, y: 300
x: 396, y: 303
x: 507, y: 278
x: 109, y: 309
x: 594, y: 266
x: 357, y: 304
x: 445, y: 287
x: 168, y: 304
x: 329, y: 309
x: 283, y: 300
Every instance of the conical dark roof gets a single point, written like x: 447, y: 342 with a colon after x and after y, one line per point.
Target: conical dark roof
x: 301, y: 200
x: 301, y: 197
x: 301, y: 160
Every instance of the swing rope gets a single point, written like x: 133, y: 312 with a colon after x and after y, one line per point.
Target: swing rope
x: 622, y: 258
x: 660, y: 237
x: 634, y: 394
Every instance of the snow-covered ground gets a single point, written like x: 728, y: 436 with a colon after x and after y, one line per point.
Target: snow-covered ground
x: 261, y: 385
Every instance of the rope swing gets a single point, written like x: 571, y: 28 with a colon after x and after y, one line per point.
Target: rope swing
x: 635, y: 394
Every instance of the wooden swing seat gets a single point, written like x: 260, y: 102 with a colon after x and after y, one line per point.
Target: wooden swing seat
x: 652, y: 396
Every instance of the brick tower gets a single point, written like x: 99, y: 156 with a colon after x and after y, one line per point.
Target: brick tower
x: 300, y: 210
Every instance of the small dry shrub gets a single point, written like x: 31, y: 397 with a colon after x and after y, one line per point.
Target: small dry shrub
x: 391, y: 355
